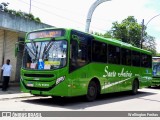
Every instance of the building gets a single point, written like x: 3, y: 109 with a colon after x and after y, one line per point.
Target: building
x: 12, y: 30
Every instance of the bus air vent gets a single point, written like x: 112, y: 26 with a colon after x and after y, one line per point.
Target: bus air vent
x: 39, y: 75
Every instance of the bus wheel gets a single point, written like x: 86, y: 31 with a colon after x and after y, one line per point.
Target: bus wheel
x: 92, y: 91
x: 135, y: 87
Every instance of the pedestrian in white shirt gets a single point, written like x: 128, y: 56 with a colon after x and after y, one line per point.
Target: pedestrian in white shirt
x: 6, y: 72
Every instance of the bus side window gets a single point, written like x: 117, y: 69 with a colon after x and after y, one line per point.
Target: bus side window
x: 99, y: 52
x: 146, y: 61
x: 114, y: 54
x: 73, y: 54
x: 149, y: 61
x: 126, y: 57
x: 136, y: 58
x: 143, y: 60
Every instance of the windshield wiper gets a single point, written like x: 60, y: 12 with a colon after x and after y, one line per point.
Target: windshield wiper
x: 33, y: 49
x: 33, y: 46
x: 47, y: 48
x: 36, y: 53
x: 30, y: 50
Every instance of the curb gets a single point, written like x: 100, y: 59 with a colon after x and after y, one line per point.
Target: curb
x: 11, y: 84
x: 6, y: 98
x: 15, y: 96
x: 13, y: 92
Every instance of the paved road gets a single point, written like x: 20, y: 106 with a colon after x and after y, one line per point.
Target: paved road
x: 146, y: 100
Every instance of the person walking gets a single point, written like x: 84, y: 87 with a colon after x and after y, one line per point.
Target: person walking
x: 6, y: 72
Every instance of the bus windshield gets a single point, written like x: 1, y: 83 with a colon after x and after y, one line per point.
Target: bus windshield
x: 45, y: 55
x: 156, y: 66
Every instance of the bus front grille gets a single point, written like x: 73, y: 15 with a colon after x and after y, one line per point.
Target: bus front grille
x: 39, y: 75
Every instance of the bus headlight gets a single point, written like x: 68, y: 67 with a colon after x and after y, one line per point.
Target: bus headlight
x: 60, y: 79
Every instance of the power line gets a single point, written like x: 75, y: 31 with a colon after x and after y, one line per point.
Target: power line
x: 54, y: 7
x: 46, y: 11
x: 49, y: 12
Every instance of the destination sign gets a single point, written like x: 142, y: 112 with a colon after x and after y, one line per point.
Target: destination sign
x: 45, y: 34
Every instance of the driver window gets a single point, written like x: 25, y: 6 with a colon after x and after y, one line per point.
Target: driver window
x: 73, y: 54
x: 79, y: 52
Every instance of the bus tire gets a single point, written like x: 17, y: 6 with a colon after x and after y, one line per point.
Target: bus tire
x: 92, y: 91
x: 135, y: 86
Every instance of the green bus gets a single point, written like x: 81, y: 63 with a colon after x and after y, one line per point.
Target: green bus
x: 156, y: 71
x: 67, y: 62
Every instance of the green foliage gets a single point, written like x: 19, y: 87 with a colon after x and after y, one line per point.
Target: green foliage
x: 108, y: 34
x: 129, y: 31
x: 98, y: 34
x: 149, y: 44
x: 157, y: 54
x: 30, y: 16
x: 22, y: 14
x: 37, y: 20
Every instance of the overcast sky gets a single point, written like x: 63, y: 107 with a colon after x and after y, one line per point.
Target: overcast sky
x: 73, y: 13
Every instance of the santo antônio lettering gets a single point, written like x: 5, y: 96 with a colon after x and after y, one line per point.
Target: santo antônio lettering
x: 113, y: 73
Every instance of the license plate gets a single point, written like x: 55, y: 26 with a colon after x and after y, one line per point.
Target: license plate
x: 30, y: 84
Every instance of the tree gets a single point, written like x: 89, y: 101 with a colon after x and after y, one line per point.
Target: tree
x: 129, y: 31
x: 149, y: 44
x: 98, y: 34
x: 3, y: 7
x: 157, y: 54
x: 108, y: 34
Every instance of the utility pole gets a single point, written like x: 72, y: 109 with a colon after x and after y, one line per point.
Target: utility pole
x: 90, y: 12
x: 143, y: 29
x: 142, y: 34
x: 30, y: 7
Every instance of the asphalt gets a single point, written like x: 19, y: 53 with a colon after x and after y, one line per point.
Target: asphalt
x: 13, y: 92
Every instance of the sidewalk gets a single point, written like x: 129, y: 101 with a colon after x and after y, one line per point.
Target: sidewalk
x: 13, y: 92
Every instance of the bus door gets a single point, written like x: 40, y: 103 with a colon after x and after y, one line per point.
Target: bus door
x: 79, y: 58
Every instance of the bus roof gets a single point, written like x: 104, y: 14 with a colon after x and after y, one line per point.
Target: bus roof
x: 106, y: 40
x: 121, y: 44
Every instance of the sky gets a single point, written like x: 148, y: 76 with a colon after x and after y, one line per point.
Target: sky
x: 73, y: 13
